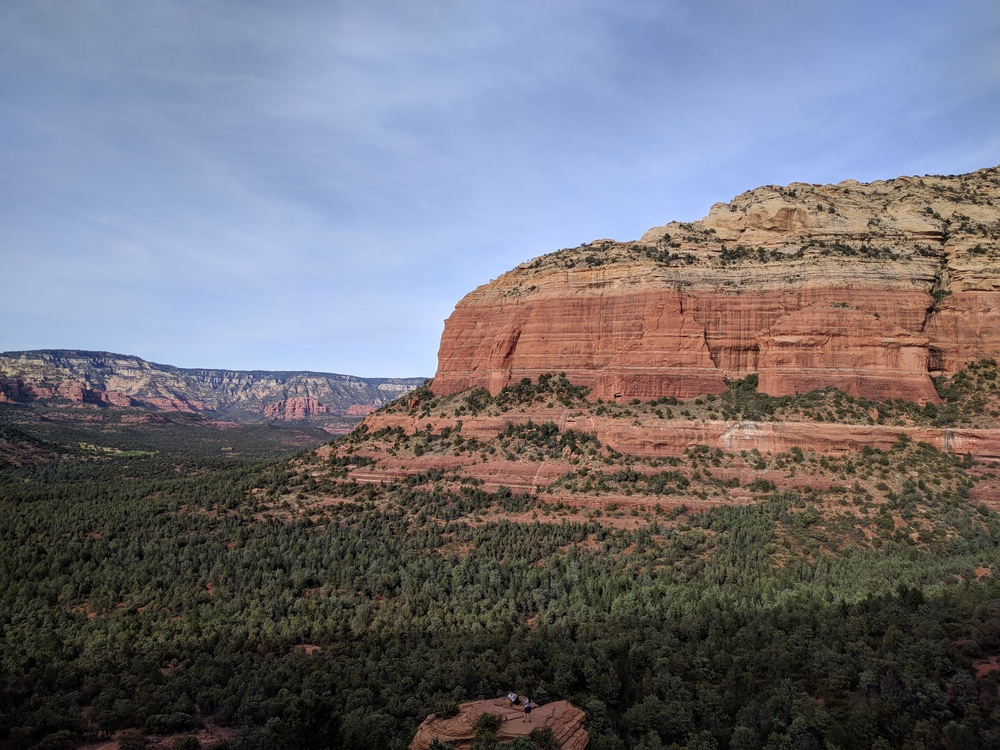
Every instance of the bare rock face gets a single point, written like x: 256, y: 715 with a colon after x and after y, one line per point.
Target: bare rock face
x: 295, y: 408
x: 872, y: 288
x: 565, y: 719
x: 631, y: 340
x: 13, y: 390
x: 360, y: 410
x: 854, y: 351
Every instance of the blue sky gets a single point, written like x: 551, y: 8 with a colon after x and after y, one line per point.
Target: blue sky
x: 314, y: 185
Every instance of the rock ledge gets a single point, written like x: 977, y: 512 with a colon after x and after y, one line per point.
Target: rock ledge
x: 565, y: 719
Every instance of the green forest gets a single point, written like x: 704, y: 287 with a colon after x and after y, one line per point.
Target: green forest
x: 159, y: 577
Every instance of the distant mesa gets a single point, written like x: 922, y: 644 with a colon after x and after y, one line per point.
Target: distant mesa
x: 104, y: 379
x: 458, y: 730
x: 871, y: 288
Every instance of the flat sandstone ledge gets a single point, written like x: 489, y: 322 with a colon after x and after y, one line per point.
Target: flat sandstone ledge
x: 565, y: 719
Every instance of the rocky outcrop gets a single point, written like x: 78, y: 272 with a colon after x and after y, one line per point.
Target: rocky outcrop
x: 16, y: 391
x: 360, y: 410
x: 296, y: 408
x: 872, y: 288
x: 80, y: 377
x: 673, y: 437
x: 565, y: 719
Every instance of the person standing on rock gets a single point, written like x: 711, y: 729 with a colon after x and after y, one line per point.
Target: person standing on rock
x: 527, y: 709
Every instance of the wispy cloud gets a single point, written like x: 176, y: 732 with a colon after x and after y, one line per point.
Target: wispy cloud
x: 315, y: 184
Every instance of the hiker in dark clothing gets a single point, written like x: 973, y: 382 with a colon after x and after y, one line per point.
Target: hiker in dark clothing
x: 527, y: 709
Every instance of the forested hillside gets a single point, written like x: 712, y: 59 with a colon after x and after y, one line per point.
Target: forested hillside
x: 164, y: 586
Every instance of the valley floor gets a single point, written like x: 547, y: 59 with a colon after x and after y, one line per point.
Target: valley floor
x: 154, y: 584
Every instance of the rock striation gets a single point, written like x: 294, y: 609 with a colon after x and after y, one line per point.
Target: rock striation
x: 82, y: 377
x: 676, y: 436
x: 565, y: 719
x: 297, y: 408
x: 872, y: 288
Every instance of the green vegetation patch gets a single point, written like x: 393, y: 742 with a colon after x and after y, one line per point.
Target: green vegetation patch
x: 852, y: 603
x: 126, y: 605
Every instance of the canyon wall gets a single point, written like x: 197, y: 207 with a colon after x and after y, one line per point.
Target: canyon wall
x: 872, y: 288
x: 102, y: 378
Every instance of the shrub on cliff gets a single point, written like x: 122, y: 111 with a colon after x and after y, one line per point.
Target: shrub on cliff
x: 742, y: 401
x: 446, y: 709
x: 543, y: 738
x: 549, y: 387
x: 486, y: 732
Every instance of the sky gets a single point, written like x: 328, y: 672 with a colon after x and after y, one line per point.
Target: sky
x: 314, y: 184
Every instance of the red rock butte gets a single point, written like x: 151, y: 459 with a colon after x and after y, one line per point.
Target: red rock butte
x: 871, y: 288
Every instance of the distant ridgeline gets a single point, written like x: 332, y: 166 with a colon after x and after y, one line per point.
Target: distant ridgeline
x: 101, y: 378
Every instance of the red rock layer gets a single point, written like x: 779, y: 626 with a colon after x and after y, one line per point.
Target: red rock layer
x: 867, y: 287
x: 964, y: 328
x: 656, y: 342
x: 12, y: 391
x: 360, y: 410
x: 187, y: 406
x: 295, y: 408
x: 857, y: 352
x: 673, y: 437
x: 642, y: 345
x: 565, y: 719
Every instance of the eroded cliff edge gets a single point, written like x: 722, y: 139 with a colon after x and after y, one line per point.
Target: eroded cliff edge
x: 872, y: 288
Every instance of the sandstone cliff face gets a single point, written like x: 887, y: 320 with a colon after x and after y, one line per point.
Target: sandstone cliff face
x: 872, y: 288
x: 15, y: 390
x: 120, y: 380
x: 856, y: 352
x: 295, y: 408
